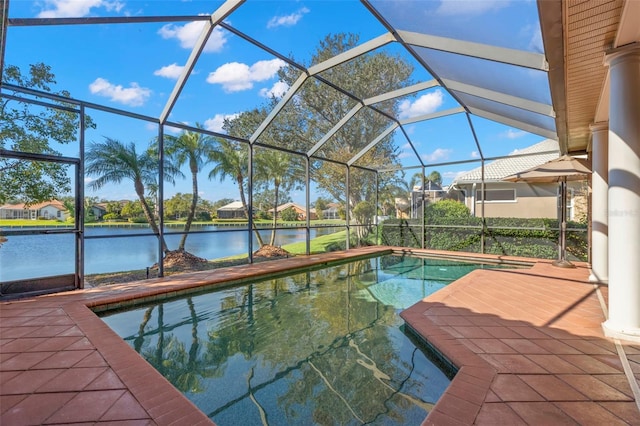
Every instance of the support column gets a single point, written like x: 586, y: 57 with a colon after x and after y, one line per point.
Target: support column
x: 600, y: 203
x: 624, y: 193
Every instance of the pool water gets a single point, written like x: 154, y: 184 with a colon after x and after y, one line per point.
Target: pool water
x: 324, y: 346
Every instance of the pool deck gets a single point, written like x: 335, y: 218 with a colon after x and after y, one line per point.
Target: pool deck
x: 528, y: 344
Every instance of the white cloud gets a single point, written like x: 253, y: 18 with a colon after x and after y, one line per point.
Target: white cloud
x: 535, y: 43
x: 425, y: 104
x: 88, y: 179
x: 513, y: 134
x: 172, y: 71
x: 76, y: 8
x: 453, y: 175
x: 215, y: 123
x: 438, y: 154
x: 287, y: 20
x: 475, y: 154
x: 174, y: 130
x: 132, y: 96
x: 188, y: 35
x: 469, y: 7
x: 278, y: 89
x: 153, y: 127
x: 235, y: 76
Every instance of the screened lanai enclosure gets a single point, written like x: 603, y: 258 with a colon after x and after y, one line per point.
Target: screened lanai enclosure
x: 134, y: 130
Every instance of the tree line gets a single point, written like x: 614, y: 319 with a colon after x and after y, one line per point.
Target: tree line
x: 301, y: 123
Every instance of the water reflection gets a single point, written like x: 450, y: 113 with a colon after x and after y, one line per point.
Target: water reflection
x: 314, y: 347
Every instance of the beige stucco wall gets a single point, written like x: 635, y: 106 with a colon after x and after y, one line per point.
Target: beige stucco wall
x: 532, y: 201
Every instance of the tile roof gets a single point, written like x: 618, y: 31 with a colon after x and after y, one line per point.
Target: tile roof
x: 22, y: 206
x: 499, y: 169
x: 236, y: 205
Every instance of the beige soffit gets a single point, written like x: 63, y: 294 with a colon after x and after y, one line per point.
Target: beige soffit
x: 590, y: 30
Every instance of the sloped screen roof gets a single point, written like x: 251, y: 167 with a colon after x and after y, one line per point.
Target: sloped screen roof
x: 476, y: 82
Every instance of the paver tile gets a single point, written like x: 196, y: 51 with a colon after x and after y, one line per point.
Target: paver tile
x: 86, y: 407
x: 627, y: 411
x: 594, y: 388
x: 72, y: 379
x: 35, y: 408
x: 586, y: 413
x: 552, y: 388
x: 509, y: 387
x: 125, y: 408
x: 29, y: 381
x: 498, y: 414
x: 541, y: 413
x: 24, y: 361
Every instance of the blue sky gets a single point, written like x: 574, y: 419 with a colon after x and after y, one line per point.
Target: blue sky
x: 134, y: 67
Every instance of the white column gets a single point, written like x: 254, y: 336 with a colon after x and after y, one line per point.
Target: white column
x: 624, y: 193
x: 600, y: 203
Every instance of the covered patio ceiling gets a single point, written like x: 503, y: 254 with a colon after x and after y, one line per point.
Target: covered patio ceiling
x: 554, y: 87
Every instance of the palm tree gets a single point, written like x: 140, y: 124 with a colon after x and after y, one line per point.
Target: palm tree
x: 232, y: 160
x: 433, y: 177
x: 193, y: 148
x: 112, y: 162
x: 275, y: 166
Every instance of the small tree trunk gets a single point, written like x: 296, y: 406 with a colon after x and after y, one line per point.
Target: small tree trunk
x: 149, y: 215
x: 192, y: 210
x: 275, y: 215
x: 246, y: 213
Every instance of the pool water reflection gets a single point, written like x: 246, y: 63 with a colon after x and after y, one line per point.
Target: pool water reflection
x: 324, y: 346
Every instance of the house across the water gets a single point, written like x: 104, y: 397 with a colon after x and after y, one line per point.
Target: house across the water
x: 301, y: 211
x: 234, y: 210
x: 53, y: 209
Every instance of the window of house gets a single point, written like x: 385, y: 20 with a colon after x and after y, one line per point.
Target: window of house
x: 496, y: 195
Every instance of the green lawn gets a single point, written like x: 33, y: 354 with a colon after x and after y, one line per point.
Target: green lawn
x: 34, y: 223
x: 318, y: 244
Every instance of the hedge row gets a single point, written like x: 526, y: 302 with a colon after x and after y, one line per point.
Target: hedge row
x: 505, y: 236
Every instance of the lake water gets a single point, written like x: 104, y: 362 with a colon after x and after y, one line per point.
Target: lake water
x: 32, y: 256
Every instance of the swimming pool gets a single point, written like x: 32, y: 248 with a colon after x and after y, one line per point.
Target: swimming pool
x: 325, y: 346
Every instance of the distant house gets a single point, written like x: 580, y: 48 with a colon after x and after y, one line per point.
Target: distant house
x: 99, y: 210
x: 301, y: 211
x: 431, y: 193
x: 234, y: 210
x: 53, y: 209
x: 508, y: 199
x: 331, y: 211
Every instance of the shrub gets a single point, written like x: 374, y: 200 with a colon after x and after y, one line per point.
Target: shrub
x: 203, y: 216
x: 111, y: 217
x: 446, y: 208
x: 138, y: 219
x: 289, y: 214
x: 503, y: 236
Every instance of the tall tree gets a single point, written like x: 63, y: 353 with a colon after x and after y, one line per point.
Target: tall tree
x: 435, y: 177
x: 178, y: 206
x: 113, y: 162
x: 33, y: 130
x: 194, y: 149
x: 231, y: 160
x: 319, y: 107
x: 274, y: 167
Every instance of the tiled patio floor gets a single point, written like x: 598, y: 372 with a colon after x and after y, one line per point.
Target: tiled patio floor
x: 528, y: 344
